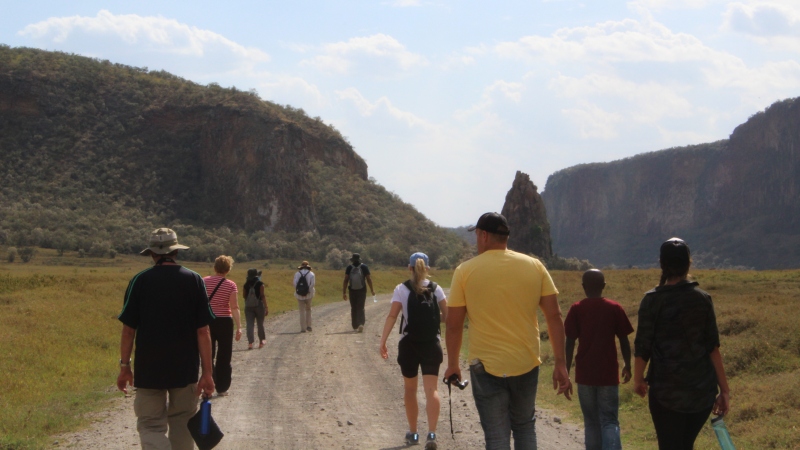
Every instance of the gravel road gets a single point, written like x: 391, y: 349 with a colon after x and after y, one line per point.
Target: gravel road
x: 327, y: 389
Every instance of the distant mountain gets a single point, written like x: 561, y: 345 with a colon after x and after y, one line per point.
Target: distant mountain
x: 735, y: 201
x: 96, y: 154
x: 527, y: 219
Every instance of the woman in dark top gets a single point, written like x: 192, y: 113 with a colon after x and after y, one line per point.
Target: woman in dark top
x: 677, y: 335
x: 255, y: 313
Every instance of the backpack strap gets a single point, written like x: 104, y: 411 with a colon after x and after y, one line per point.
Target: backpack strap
x: 215, y: 289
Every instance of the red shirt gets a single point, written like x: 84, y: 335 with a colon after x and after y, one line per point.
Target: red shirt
x: 595, y: 322
x: 221, y: 301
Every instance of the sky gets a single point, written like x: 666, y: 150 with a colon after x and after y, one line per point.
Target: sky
x: 447, y: 99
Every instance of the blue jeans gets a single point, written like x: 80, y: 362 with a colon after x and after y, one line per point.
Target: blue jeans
x: 600, y: 406
x: 506, y: 405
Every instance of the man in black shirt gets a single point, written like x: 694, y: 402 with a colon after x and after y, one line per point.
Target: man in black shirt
x: 166, y: 312
x: 357, y: 277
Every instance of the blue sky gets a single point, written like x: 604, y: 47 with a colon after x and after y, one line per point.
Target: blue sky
x: 447, y: 99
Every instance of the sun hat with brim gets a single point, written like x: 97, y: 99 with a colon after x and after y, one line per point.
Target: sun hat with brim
x: 355, y: 257
x: 162, y: 241
x: 304, y: 265
x: 253, y: 273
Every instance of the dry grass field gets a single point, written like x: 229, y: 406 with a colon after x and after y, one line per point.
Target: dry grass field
x: 59, y: 338
x: 759, y: 323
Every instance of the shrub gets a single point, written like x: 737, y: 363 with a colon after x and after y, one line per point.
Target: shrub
x: 12, y: 254
x: 444, y: 263
x: 26, y: 253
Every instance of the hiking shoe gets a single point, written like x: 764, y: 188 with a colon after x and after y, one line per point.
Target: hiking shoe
x: 308, y: 329
x: 430, y: 443
x: 412, y: 438
x: 250, y: 346
x: 360, y: 329
x: 222, y: 394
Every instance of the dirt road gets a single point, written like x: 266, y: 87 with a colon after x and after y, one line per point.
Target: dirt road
x: 328, y: 389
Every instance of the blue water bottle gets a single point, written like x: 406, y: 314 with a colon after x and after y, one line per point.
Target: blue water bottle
x: 721, y: 431
x: 205, y: 415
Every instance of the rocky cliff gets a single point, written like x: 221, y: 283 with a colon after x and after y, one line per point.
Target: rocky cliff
x: 525, y: 211
x: 736, y: 201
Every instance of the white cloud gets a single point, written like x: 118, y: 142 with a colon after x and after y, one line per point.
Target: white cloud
x: 628, y: 40
x: 383, y: 104
x: 151, y: 33
x: 763, y: 19
x: 405, y: 3
x: 286, y: 87
x: 341, y: 57
x: 592, y: 121
x: 500, y: 88
x: 644, y: 102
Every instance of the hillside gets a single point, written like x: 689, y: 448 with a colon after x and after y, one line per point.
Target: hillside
x: 736, y: 201
x: 95, y: 154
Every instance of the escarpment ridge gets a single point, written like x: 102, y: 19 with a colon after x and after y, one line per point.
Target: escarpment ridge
x: 736, y: 201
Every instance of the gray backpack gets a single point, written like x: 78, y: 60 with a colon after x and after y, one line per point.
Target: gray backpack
x: 252, y: 296
x: 356, y: 278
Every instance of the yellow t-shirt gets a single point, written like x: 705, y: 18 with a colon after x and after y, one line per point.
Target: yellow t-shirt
x: 501, y: 290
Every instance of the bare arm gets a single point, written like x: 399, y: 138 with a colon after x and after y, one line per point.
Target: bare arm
x: 555, y: 329
x: 625, y: 349
x: 344, y: 286
x: 443, y: 310
x: 125, y: 377
x: 206, y: 383
x: 264, y: 298
x: 369, y: 282
x: 570, y: 351
x: 234, y: 303
x: 453, y: 337
x: 391, y: 319
x: 722, y: 404
x: 639, y: 385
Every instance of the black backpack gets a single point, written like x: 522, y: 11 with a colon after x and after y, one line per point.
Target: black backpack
x: 423, y: 313
x: 302, y: 285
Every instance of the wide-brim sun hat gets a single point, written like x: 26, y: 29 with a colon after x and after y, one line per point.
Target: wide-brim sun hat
x: 304, y: 265
x: 253, y: 273
x: 162, y: 241
x: 355, y: 257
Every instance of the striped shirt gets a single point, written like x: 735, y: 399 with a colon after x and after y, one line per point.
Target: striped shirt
x: 221, y: 302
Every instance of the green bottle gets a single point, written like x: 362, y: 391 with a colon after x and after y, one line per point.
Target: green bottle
x: 721, y: 431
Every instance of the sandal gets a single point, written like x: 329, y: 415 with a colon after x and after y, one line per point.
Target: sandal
x: 263, y: 343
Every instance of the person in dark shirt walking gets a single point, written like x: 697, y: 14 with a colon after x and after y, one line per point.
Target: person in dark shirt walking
x: 357, y: 277
x: 166, y: 312
x: 594, y: 322
x: 678, y: 336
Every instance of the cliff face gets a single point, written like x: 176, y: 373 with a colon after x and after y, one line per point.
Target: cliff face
x: 525, y: 211
x: 736, y: 199
x: 160, y: 143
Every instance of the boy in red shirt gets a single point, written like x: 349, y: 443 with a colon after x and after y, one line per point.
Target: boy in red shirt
x: 595, y: 321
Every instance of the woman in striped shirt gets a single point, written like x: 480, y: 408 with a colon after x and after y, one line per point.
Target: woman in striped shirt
x: 222, y: 296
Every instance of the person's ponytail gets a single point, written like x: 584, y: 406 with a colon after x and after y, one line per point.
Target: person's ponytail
x: 418, y: 276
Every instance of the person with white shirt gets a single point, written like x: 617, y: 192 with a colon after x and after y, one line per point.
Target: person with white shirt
x: 304, y: 301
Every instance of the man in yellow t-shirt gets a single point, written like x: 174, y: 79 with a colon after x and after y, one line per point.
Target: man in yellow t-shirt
x: 500, y: 290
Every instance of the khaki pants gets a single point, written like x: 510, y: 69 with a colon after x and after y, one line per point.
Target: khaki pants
x: 305, y: 313
x: 155, y: 415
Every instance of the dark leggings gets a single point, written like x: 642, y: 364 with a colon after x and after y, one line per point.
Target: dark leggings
x: 357, y: 300
x: 221, y: 348
x: 675, y: 430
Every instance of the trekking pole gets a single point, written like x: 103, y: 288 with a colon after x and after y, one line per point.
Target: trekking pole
x: 453, y: 379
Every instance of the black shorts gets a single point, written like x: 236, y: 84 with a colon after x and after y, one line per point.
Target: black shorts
x: 411, y: 355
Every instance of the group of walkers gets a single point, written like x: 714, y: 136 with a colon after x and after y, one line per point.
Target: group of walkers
x: 181, y: 322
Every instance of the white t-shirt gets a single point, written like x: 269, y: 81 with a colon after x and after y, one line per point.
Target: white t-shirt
x: 401, y: 293
x: 312, y: 282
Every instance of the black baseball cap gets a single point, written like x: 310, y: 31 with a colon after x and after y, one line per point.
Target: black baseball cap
x: 675, y: 250
x: 492, y: 222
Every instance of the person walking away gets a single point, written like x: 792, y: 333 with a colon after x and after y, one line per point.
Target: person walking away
x: 678, y: 336
x: 357, y: 276
x: 424, y: 308
x: 222, y: 294
x: 304, y: 290
x: 594, y: 322
x: 166, y: 314
x: 499, y: 291
x: 255, y: 307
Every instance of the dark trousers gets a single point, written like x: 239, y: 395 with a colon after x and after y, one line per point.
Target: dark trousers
x: 357, y: 300
x: 675, y: 430
x: 255, y: 315
x: 221, y: 349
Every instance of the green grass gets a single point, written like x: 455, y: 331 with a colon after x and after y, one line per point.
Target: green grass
x: 59, y: 333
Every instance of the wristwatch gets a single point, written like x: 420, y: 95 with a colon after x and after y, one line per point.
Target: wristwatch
x: 124, y: 364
